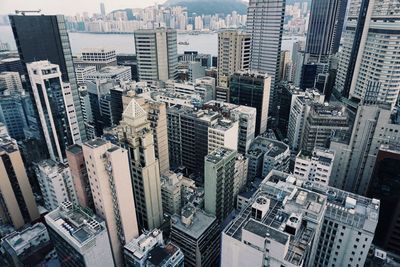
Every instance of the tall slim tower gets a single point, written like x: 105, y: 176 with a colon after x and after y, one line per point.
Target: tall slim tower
x: 45, y: 37
x: 59, y: 125
x: 233, y: 54
x: 109, y: 176
x: 102, y: 9
x: 265, y: 26
x: 135, y: 134
x: 157, y: 54
x: 219, y: 173
x: 17, y: 206
x: 369, y: 60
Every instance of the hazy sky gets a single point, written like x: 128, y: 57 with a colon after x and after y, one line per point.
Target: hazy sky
x: 71, y: 7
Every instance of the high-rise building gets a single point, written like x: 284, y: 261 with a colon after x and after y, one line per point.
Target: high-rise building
x: 366, y: 64
x: 315, y: 166
x: 149, y: 250
x: 265, y: 26
x: 110, y: 179
x: 157, y: 116
x: 240, y: 178
x: 82, y: 72
x: 102, y: 9
x: 223, y: 134
x: 266, y: 154
x: 10, y: 81
x: 18, y: 205
x: 233, y: 54
x: 384, y: 186
x: 79, y: 239
x: 134, y: 133
x: 244, y: 115
x: 45, y: 37
x: 116, y: 73
x: 321, y: 124
x: 355, y: 155
x: 252, y: 89
x: 219, y: 173
x: 55, y: 183
x: 79, y: 176
x: 52, y: 99
x: 325, y: 27
x: 300, y: 107
x: 197, y: 234
x: 27, y: 247
x: 288, y: 223
x: 157, y: 54
x: 14, y: 106
x: 97, y: 57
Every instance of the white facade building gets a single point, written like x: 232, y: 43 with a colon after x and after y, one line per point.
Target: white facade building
x: 10, y: 81
x: 55, y: 183
x: 315, y: 166
x: 223, y: 134
x: 82, y: 72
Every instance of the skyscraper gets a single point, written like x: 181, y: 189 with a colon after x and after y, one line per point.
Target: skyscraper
x: 233, y: 54
x: 111, y: 185
x: 135, y: 134
x: 18, y: 205
x: 45, y: 37
x: 219, y: 172
x: 265, y: 27
x: 59, y: 125
x: 79, y: 239
x: 102, y: 9
x: 157, y: 54
x: 368, y: 60
x: 252, y: 89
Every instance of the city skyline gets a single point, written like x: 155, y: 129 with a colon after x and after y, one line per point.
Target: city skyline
x: 277, y: 149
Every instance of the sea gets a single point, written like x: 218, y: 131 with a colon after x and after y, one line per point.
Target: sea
x: 206, y: 43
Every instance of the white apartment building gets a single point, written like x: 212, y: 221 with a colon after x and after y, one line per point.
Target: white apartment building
x: 223, y: 134
x: 79, y: 239
x: 157, y: 54
x: 110, y: 180
x: 288, y: 222
x: 56, y: 184
x: 10, y: 81
x: 299, y: 109
x: 233, y: 54
x: 315, y: 166
x: 374, y: 65
x: 117, y: 73
x: 82, y: 72
x: 98, y: 57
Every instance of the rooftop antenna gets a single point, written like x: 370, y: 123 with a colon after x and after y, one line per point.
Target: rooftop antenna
x: 27, y: 11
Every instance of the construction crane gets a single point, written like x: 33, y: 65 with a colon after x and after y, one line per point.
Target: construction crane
x: 27, y: 11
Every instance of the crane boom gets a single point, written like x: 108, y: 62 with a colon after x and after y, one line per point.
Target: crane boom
x: 27, y: 11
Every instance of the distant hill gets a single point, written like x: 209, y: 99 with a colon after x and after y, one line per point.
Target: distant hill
x: 210, y: 7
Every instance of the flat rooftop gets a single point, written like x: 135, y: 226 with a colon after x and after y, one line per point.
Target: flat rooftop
x: 219, y: 154
x: 95, y: 143
x: 75, y: 149
x: 23, y: 239
x: 263, y: 145
x: 201, y: 222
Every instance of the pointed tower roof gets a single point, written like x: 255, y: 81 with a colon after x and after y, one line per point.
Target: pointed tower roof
x: 134, y: 111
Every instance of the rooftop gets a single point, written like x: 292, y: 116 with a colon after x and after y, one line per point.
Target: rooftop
x: 110, y: 70
x: 289, y: 215
x: 94, y: 143
x: 141, y: 246
x: 75, y: 223
x: 270, y: 147
x: 219, y: 154
x: 19, y: 241
x: 7, y: 144
x: 200, y: 223
x: 75, y: 149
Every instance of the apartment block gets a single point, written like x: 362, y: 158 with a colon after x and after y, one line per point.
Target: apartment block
x: 56, y: 183
x: 219, y: 177
x: 110, y: 181
x: 265, y: 155
x: 197, y: 234
x: 80, y: 239
x: 18, y: 206
x: 315, y: 166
